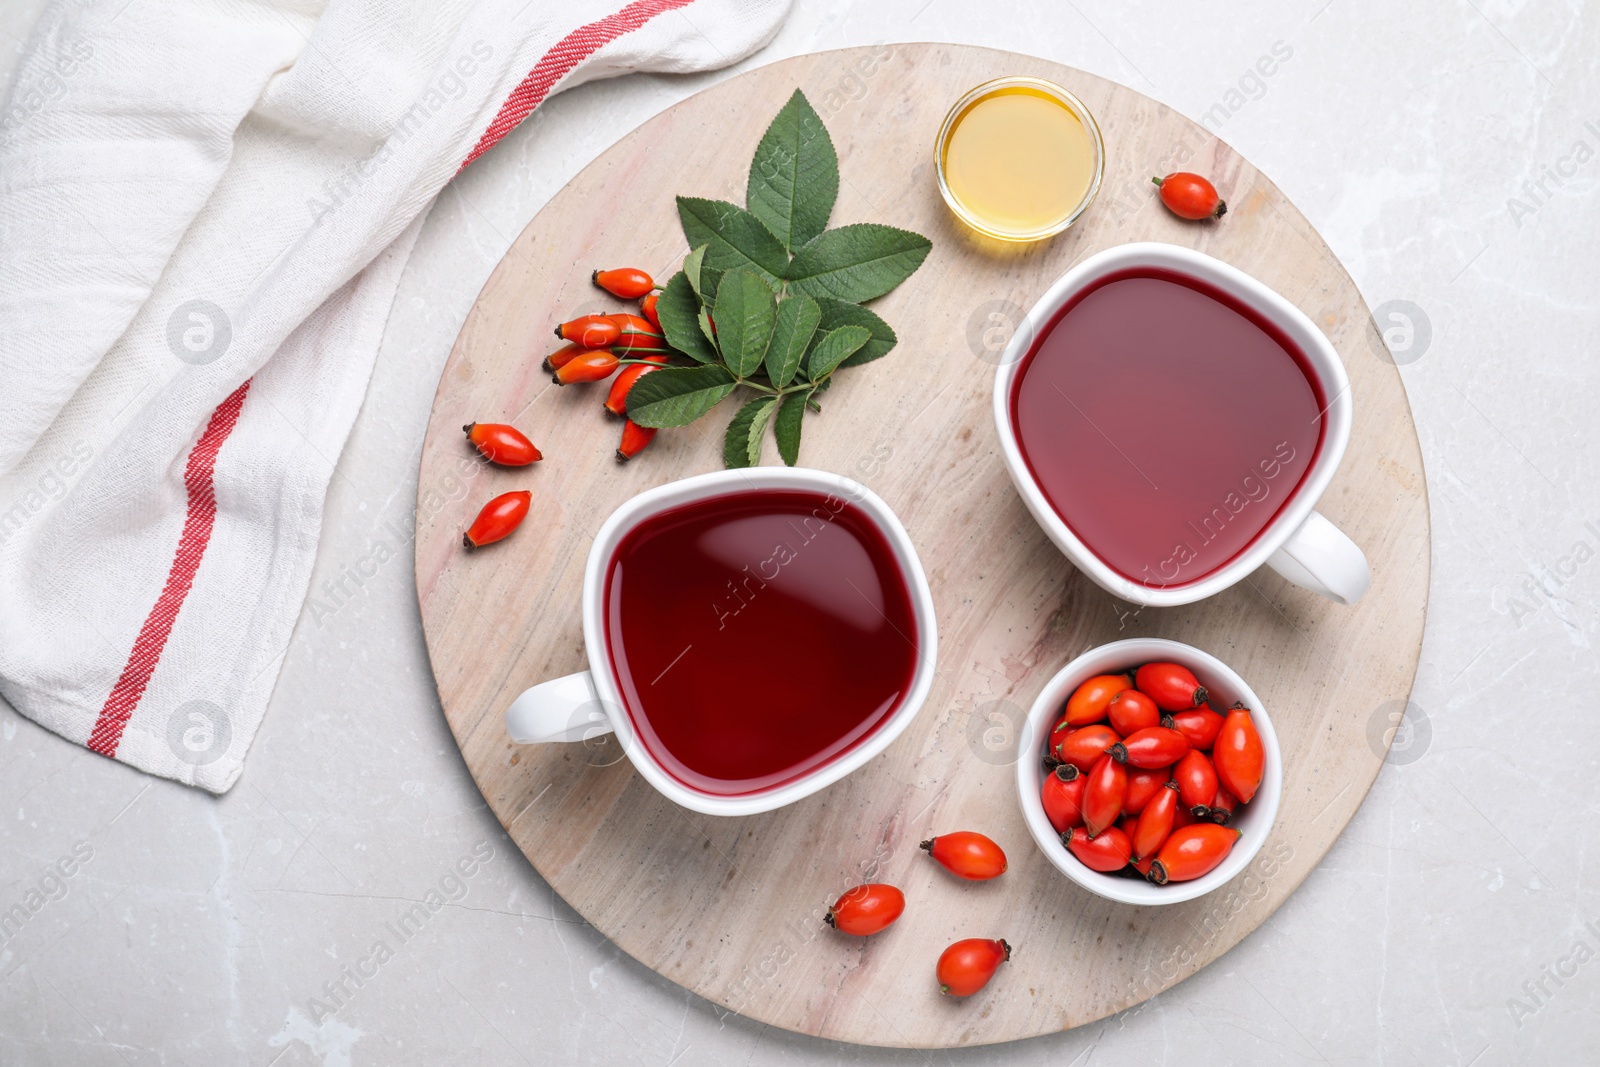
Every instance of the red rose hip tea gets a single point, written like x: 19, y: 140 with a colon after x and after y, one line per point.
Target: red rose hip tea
x: 1166, y: 423
x: 758, y: 636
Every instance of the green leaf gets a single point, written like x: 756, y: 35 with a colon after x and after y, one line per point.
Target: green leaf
x: 837, y: 313
x: 691, y: 269
x: 857, y: 262
x: 734, y: 239
x: 794, y: 177
x: 678, y: 311
x: 676, y: 396
x: 744, y: 313
x: 786, y: 427
x: 833, y: 348
x: 704, y: 279
x: 797, y: 320
x: 703, y: 320
x: 741, y: 447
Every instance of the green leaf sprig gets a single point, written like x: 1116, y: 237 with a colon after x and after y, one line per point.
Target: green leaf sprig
x: 769, y: 299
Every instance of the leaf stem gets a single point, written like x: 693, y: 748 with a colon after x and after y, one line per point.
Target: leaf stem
x: 797, y: 387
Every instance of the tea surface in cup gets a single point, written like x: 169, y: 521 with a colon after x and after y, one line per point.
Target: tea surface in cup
x: 1166, y: 423
x: 758, y: 636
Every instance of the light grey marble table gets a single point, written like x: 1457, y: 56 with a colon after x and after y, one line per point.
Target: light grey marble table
x: 1446, y: 150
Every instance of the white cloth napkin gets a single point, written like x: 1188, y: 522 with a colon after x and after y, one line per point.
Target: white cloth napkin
x: 204, y: 212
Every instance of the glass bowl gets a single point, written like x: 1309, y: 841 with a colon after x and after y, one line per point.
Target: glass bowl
x: 1073, y: 105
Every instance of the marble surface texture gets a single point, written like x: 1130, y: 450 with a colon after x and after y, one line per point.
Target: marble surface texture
x: 1447, y: 151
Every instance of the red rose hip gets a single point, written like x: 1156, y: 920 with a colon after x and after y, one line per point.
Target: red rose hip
x: 498, y: 519
x: 968, y: 855
x: 1103, y: 796
x: 1189, y: 196
x: 966, y: 966
x: 1108, y: 852
x: 1172, y: 686
x: 1197, y: 783
x: 1143, y: 784
x: 1156, y: 746
x: 1089, y: 701
x: 1239, y: 755
x: 866, y: 909
x: 1062, y: 797
x: 1131, y: 711
x: 1192, y: 851
x: 1083, y: 747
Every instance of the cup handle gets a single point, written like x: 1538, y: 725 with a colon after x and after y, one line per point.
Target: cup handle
x: 1323, y: 559
x: 562, y: 709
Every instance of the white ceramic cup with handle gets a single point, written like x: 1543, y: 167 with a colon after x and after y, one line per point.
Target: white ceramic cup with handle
x: 582, y: 706
x: 1299, y: 543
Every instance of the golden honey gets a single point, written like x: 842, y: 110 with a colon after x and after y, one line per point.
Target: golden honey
x: 1019, y: 159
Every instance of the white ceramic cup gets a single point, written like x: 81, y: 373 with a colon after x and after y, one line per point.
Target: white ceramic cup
x: 1299, y: 543
x: 582, y: 706
x: 1254, y: 820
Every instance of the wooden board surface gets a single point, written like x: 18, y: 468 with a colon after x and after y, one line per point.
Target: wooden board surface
x: 731, y: 908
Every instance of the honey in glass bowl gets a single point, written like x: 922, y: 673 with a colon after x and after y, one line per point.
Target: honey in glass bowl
x: 1019, y: 159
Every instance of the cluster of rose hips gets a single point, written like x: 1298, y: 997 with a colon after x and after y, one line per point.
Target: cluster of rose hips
x: 966, y: 966
x: 599, y: 344
x: 1145, y: 775
x: 589, y: 356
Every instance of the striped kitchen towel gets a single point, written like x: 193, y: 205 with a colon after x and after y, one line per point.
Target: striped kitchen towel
x: 204, y: 212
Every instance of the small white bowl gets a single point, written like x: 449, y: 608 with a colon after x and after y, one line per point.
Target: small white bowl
x: 1255, y: 819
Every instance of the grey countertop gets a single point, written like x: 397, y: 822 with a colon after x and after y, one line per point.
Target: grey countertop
x: 1447, y: 153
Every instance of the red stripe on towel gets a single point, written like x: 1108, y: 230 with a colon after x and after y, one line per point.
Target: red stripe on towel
x: 557, y: 63
x: 197, y: 524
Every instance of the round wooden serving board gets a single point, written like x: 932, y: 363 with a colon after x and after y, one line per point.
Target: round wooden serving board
x: 732, y: 908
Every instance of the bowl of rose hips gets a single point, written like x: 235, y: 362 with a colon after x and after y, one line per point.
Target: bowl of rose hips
x: 1150, y: 772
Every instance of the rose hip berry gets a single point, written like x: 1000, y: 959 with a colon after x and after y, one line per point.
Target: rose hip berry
x: 629, y: 283
x: 1084, y: 746
x: 635, y: 334
x: 1131, y: 711
x: 589, y: 366
x: 1198, y: 726
x: 866, y: 909
x: 1106, y: 852
x: 1103, y: 796
x: 634, y: 440
x: 502, y: 444
x: 1172, y: 687
x: 498, y: 518
x: 1192, y: 851
x: 590, y: 331
x: 968, y: 855
x: 1197, y: 783
x: 1155, y: 823
x: 1062, y: 797
x: 1190, y: 196
x: 1239, y: 755
x: 1223, y: 806
x: 1143, y: 785
x: 1154, y: 746
x: 1089, y: 701
x: 966, y: 966
x: 617, y: 399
